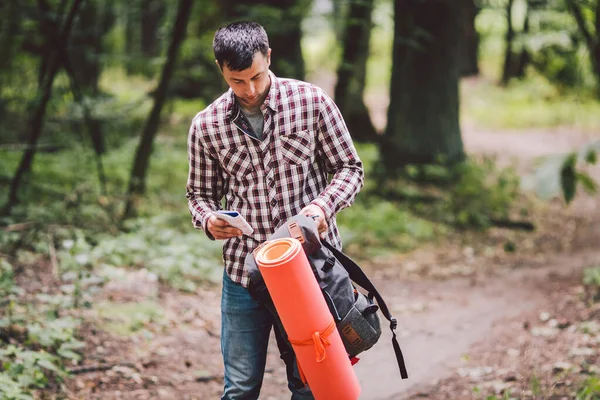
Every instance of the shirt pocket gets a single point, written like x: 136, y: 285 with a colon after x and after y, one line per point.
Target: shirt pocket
x: 236, y: 162
x: 296, y: 148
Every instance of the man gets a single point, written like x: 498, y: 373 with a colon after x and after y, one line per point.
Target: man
x: 267, y: 147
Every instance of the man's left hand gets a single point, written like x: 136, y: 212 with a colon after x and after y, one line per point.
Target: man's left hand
x: 314, y: 210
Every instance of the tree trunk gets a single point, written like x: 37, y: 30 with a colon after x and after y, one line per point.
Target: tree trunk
x: 37, y: 118
x: 85, y: 48
x: 137, y: 181
x: 470, y: 44
x: 286, y: 40
x: 82, y: 61
x: 423, y: 116
x: 352, y: 72
x: 131, y: 37
x: 338, y: 13
x: 93, y: 125
x: 524, y: 56
x: 510, y: 36
x: 9, y: 32
x: 282, y: 19
x: 152, y: 12
x: 9, y: 29
x: 152, y: 15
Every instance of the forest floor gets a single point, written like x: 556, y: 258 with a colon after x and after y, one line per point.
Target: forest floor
x: 475, y: 321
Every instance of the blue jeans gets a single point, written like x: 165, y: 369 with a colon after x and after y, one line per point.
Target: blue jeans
x: 245, y: 330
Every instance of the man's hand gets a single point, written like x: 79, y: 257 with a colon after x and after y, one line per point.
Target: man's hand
x: 220, y: 229
x: 312, y: 210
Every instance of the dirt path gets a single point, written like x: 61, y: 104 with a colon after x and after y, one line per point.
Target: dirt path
x: 440, y: 320
x: 445, y: 319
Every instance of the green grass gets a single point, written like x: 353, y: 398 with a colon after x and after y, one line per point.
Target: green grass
x: 128, y: 318
x: 125, y: 87
x: 383, y: 228
x: 529, y: 104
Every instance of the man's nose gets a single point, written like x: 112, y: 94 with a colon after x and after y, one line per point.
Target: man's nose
x: 251, y: 90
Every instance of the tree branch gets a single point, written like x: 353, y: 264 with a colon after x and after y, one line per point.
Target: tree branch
x: 579, y: 18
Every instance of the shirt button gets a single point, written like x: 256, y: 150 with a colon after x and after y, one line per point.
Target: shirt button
x: 273, y: 203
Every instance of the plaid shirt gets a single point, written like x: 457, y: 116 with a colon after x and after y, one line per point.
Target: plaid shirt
x: 270, y: 180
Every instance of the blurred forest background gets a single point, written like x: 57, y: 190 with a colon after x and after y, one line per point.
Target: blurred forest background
x: 96, y: 98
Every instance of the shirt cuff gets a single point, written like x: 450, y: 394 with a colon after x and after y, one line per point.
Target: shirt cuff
x: 205, y: 219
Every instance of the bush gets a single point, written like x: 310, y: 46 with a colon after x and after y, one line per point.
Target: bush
x: 38, y: 341
x: 481, y: 194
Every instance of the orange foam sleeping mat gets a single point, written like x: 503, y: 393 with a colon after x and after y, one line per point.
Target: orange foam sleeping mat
x: 310, y: 327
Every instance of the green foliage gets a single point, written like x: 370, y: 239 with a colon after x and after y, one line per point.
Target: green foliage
x: 506, y: 396
x: 591, y: 277
x: 590, y: 389
x: 39, y: 342
x: 57, y: 334
x: 179, y: 259
x: 554, y: 46
x: 591, y: 282
x: 559, y: 61
x: 8, y: 289
x: 23, y: 370
x: 482, y: 193
x: 527, y: 104
x: 535, y: 385
x: 370, y: 229
x: 127, y: 318
x: 469, y: 194
x: 425, y: 203
x: 563, y: 173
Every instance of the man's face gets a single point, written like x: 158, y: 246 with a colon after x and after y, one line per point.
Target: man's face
x: 252, y: 84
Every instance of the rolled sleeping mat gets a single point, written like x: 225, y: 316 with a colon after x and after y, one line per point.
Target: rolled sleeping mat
x: 310, y: 327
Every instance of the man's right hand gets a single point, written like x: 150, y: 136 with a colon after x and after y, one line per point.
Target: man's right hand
x: 220, y: 229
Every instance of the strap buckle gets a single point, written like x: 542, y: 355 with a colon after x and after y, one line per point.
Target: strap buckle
x: 296, y: 232
x: 393, y: 323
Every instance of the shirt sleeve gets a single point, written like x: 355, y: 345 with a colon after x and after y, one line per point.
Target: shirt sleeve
x: 204, y: 188
x: 340, y: 159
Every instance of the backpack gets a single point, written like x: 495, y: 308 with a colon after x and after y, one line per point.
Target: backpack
x: 354, y: 313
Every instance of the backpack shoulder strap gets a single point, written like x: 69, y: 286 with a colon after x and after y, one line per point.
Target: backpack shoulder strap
x: 358, y: 276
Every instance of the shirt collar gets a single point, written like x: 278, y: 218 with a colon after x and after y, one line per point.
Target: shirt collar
x: 273, y: 97
x: 271, y: 101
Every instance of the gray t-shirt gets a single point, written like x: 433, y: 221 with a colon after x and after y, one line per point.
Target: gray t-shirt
x: 256, y: 120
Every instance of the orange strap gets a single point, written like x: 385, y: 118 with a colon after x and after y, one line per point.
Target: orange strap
x: 319, y: 339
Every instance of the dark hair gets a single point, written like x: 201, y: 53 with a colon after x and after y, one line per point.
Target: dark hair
x: 236, y: 44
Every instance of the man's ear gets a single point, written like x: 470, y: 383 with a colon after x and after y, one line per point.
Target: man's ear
x: 269, y: 57
x: 219, y: 66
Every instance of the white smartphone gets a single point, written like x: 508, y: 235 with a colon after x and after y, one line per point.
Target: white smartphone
x: 236, y: 220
